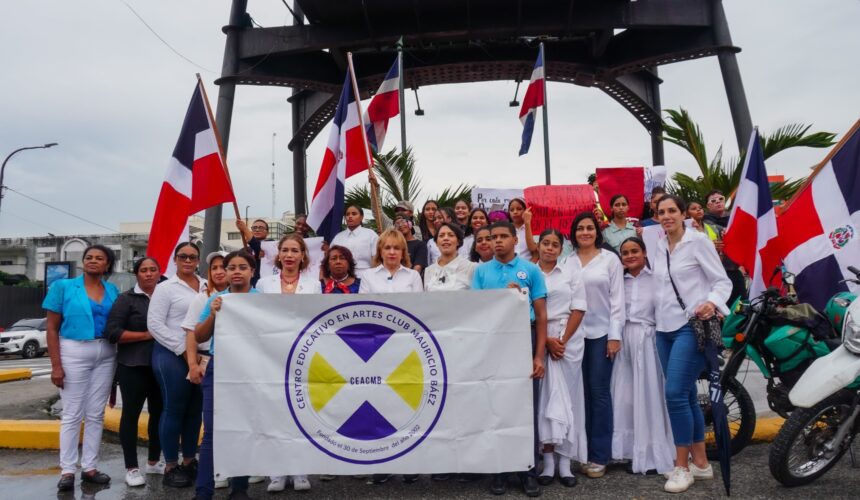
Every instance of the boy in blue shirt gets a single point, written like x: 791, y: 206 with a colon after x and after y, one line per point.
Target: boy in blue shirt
x: 507, y: 270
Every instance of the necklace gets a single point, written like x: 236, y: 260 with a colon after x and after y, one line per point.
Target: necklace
x: 288, y: 282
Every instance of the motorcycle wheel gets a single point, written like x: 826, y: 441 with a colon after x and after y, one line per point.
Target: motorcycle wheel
x: 740, y: 412
x: 798, y: 455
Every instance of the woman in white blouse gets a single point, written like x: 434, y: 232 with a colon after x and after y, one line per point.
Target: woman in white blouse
x: 689, y: 259
x: 522, y: 219
x: 361, y: 241
x: 561, y: 388
x: 293, y: 260
x: 641, y: 429
x: 603, y: 276
x: 451, y: 271
x: 393, y: 272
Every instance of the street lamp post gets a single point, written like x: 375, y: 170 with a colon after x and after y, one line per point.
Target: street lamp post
x: 3, y: 168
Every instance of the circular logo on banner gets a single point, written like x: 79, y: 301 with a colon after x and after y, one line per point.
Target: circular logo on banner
x: 366, y: 382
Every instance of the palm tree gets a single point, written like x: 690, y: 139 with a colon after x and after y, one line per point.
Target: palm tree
x: 399, y: 181
x: 718, y: 173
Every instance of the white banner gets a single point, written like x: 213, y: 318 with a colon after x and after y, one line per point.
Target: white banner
x: 358, y: 384
x: 654, y: 176
x: 491, y: 199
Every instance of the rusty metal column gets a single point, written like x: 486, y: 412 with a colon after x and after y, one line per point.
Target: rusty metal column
x: 657, y: 157
x: 224, y: 114
x: 732, y: 78
x: 300, y: 167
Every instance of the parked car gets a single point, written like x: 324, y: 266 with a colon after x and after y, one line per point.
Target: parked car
x: 27, y: 337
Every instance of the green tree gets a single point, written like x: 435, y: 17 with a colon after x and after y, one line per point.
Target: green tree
x: 724, y: 174
x: 398, y: 180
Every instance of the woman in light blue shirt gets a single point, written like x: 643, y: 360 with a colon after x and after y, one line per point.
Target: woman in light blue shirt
x: 82, y: 361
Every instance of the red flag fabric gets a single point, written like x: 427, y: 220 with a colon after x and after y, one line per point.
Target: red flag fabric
x: 196, y: 179
x: 629, y: 181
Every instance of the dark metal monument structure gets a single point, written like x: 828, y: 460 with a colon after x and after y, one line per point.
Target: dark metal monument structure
x: 615, y: 46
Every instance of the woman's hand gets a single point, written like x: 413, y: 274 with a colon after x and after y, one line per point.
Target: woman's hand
x: 537, y: 368
x: 639, y: 231
x: 216, y: 305
x: 527, y: 216
x: 706, y: 311
x: 57, y: 376
x: 612, y: 348
x: 196, y: 373
x: 555, y: 347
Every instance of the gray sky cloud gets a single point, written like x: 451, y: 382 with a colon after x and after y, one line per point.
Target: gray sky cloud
x: 90, y: 76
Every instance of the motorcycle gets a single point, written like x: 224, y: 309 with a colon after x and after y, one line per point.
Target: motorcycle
x: 780, y: 344
x: 827, y: 396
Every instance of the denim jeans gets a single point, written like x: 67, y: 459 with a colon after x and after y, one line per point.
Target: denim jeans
x: 597, y: 374
x: 183, y: 405
x: 682, y: 365
x: 206, y: 468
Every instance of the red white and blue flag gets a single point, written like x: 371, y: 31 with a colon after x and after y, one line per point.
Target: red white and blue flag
x: 818, y: 231
x: 196, y: 180
x: 345, y: 154
x: 533, y: 99
x: 384, y: 106
x: 750, y: 240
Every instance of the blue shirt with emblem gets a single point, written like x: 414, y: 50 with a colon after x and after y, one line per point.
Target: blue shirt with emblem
x: 494, y: 274
x: 207, y: 310
x: 83, y: 318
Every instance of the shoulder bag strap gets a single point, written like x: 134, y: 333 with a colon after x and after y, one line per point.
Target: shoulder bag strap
x: 669, y: 272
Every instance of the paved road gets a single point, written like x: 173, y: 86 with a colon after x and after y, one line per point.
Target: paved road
x: 26, y: 475
x: 41, y: 367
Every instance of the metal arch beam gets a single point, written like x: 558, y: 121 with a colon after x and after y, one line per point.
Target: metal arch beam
x: 315, y: 109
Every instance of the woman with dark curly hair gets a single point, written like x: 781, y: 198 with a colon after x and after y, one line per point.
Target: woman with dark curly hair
x: 338, y: 271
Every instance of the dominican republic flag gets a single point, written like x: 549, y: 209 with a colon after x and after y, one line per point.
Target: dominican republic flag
x: 750, y: 239
x: 384, y: 106
x: 818, y: 232
x: 344, y: 155
x: 196, y: 180
x: 533, y: 99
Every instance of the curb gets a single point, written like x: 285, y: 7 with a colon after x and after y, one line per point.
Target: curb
x: 766, y: 429
x: 13, y: 374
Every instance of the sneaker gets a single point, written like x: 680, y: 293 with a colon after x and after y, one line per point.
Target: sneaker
x: 190, y: 469
x: 256, y: 479
x: 176, y: 478
x: 220, y: 484
x: 679, y: 481
x: 595, y: 471
x: 134, y: 478
x: 327, y: 477
x: 701, y: 474
x: 380, y: 478
x: 278, y: 483
x: 157, y: 468
x: 66, y: 483
x: 301, y: 483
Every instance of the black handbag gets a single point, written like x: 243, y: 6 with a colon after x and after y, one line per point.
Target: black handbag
x: 707, y: 330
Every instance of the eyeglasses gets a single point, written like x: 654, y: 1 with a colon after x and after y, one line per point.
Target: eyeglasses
x: 241, y: 267
x: 190, y: 257
x: 259, y: 228
x: 716, y: 200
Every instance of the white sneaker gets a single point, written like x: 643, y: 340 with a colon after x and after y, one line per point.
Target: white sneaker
x: 301, y: 483
x: 679, y: 481
x: 220, y: 484
x: 701, y: 474
x: 157, y: 468
x: 279, y: 483
x: 134, y: 478
x: 256, y: 479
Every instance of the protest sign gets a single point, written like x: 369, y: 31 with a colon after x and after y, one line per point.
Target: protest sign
x: 491, y: 199
x: 270, y: 255
x: 557, y: 206
x: 376, y: 383
x: 654, y: 176
x: 629, y: 181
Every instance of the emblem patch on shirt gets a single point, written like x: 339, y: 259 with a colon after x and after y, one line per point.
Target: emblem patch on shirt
x: 522, y: 275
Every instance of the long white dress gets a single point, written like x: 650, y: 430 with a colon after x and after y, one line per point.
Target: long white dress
x: 641, y: 429
x: 561, y: 409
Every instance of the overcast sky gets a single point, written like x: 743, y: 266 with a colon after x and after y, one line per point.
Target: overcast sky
x: 89, y: 75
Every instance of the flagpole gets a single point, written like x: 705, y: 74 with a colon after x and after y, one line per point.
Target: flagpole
x: 374, y: 184
x: 545, y: 119
x: 401, y: 96
x: 221, y: 152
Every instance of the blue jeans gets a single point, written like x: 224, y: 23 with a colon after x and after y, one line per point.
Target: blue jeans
x: 183, y: 405
x: 597, y: 374
x: 682, y: 364
x: 206, y: 468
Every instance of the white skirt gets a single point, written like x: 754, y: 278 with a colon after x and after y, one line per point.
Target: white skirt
x: 561, y: 414
x: 641, y: 429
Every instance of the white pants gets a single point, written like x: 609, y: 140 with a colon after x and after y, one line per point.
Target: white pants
x: 89, y: 367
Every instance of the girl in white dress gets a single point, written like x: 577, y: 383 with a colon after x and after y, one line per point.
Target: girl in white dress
x: 642, y: 432
x: 561, y: 413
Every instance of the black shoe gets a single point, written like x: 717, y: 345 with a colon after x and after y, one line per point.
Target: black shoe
x: 440, y: 477
x: 190, y: 469
x: 176, y: 478
x: 531, y: 486
x: 544, y: 480
x: 95, y: 478
x: 568, y: 481
x: 380, y: 478
x: 410, y: 478
x: 499, y: 484
x: 66, y: 482
x: 468, y: 477
x: 239, y: 495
